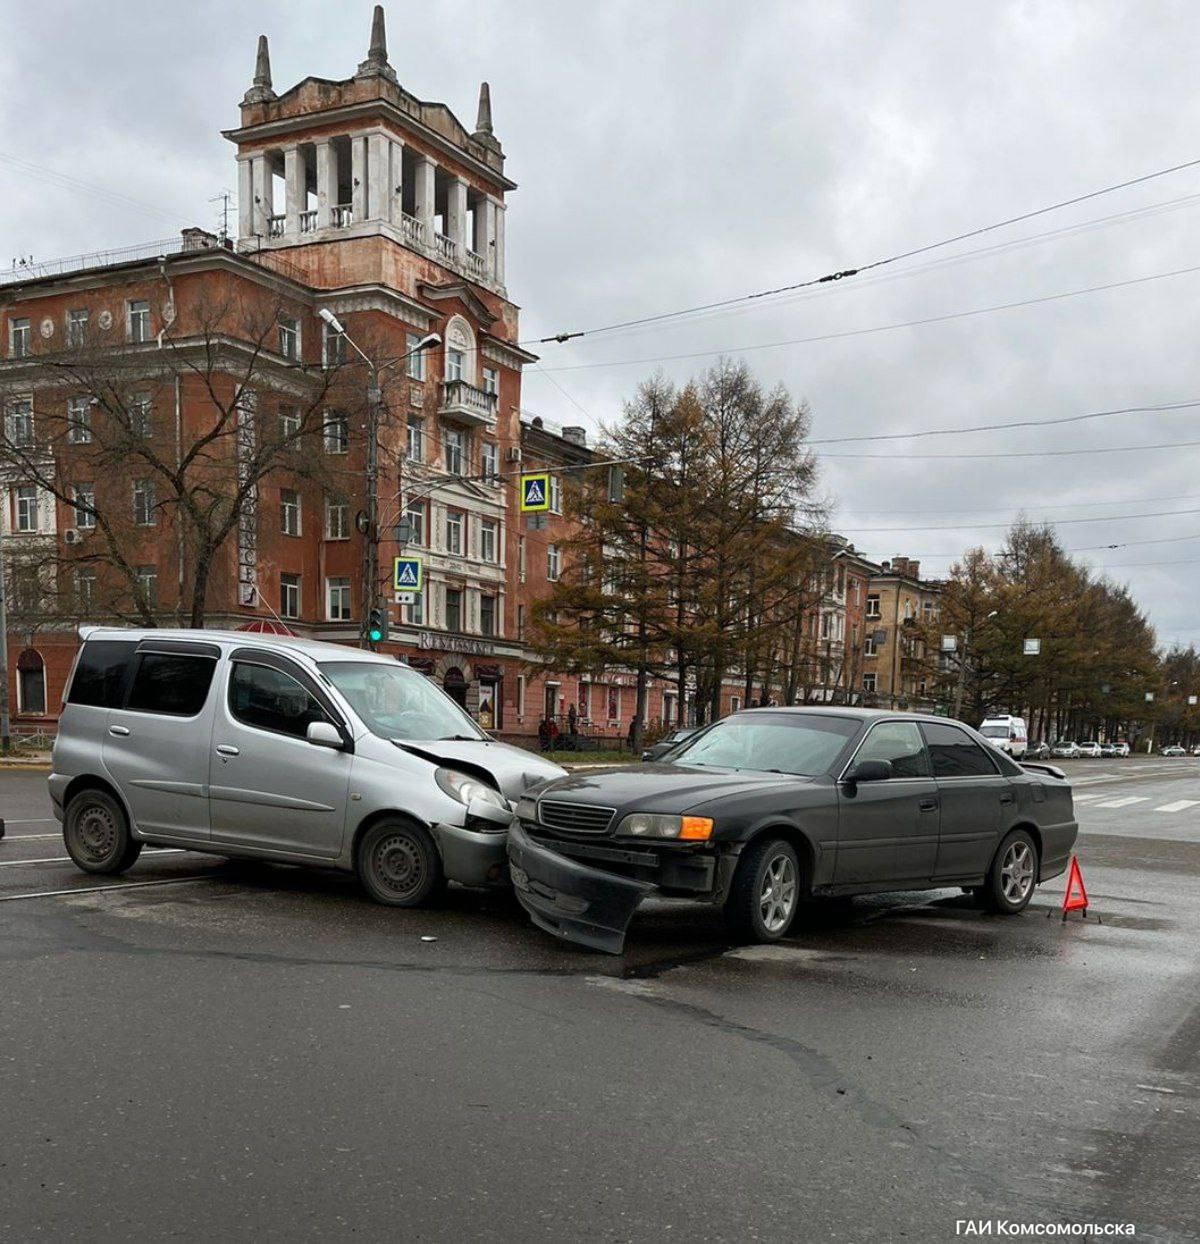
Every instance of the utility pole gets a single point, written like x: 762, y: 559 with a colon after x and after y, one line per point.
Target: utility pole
x: 962, y: 665
x: 5, y: 729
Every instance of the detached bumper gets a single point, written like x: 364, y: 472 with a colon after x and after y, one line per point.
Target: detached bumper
x: 577, y: 903
x: 472, y: 857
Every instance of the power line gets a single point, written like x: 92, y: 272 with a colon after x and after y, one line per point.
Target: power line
x: 1006, y: 509
x: 1021, y: 453
x: 75, y: 183
x: 842, y: 274
x: 1061, y: 522
x: 880, y: 328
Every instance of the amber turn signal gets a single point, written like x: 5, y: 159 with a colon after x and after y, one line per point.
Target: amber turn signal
x: 696, y: 828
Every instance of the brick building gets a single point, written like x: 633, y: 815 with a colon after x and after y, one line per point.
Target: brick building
x: 895, y: 662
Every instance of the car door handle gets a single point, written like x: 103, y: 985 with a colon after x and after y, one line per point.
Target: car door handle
x: 121, y: 731
x: 227, y: 749
x: 928, y: 805
x: 1009, y: 798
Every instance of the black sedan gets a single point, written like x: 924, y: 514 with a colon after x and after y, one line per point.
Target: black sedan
x: 771, y: 806
x: 656, y: 751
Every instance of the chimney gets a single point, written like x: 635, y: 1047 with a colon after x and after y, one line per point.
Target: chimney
x: 576, y: 435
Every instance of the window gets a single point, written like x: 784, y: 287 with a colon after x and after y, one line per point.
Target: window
x: 489, y: 462
x: 337, y: 433
x: 289, y: 595
x: 337, y: 519
x: 872, y: 606
x: 85, y: 588
x: 139, y: 415
x: 18, y: 338
x: 735, y: 704
x: 487, y: 540
x: 414, y: 449
x: 99, y: 678
x: 289, y: 337
x: 520, y: 621
x: 521, y: 559
x: 491, y: 381
x: 289, y: 511
x: 77, y: 322
x: 454, y: 531
x: 414, y: 614
x: 84, y: 497
x: 26, y: 594
x: 289, y: 423
x: 20, y: 423
x: 147, y: 579
x: 337, y: 600
x: 416, y: 358
x: 899, y: 743
x: 553, y: 563
x: 138, y: 321
x: 171, y: 683
x: 269, y: 699
x: 956, y: 754
x: 614, y: 703
x: 455, y: 360
x: 79, y: 420
x: 555, y: 495
x: 31, y: 683
x: 26, y: 508
x: 869, y: 682
x: 143, y: 503
x: 454, y: 440
x: 333, y: 346
x: 520, y: 695
x: 487, y: 615
x: 453, y: 609
x: 870, y: 646
x: 415, y: 513
x: 927, y: 609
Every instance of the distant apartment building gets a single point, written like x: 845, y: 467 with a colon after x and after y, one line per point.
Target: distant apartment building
x: 895, y: 666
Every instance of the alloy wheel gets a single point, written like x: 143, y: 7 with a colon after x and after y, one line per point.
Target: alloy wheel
x: 1016, y: 872
x: 778, y: 898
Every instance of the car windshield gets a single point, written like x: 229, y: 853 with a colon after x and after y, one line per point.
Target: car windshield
x: 797, y: 743
x: 396, y: 702
x: 994, y: 732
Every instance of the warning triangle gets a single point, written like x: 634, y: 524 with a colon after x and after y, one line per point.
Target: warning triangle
x: 1075, y: 896
x: 406, y: 576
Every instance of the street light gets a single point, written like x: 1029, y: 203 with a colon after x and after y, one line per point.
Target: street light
x: 962, y: 664
x: 374, y: 402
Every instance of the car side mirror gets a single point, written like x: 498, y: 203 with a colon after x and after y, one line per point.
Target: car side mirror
x: 323, y: 734
x: 870, y: 771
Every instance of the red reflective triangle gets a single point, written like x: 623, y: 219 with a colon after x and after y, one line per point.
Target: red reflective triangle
x: 1075, y: 896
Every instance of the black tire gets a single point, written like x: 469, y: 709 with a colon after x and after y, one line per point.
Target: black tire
x: 749, y: 913
x: 398, y: 864
x: 1013, y: 876
x: 97, y: 835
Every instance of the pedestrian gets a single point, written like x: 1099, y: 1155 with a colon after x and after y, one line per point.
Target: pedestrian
x: 544, y: 734
x: 572, y: 720
x: 551, y: 731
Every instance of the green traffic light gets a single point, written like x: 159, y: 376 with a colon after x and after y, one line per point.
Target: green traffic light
x: 375, y: 634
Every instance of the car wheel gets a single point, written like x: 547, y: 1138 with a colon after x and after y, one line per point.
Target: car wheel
x: 765, y: 893
x: 1013, y: 876
x: 398, y: 864
x: 96, y: 833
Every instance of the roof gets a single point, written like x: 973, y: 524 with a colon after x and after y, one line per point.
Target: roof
x: 311, y: 648
x: 834, y: 710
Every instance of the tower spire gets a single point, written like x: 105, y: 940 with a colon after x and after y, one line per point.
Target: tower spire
x: 483, y: 122
x: 260, y: 90
x: 376, y: 65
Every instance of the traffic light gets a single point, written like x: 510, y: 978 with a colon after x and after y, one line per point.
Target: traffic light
x: 377, y: 625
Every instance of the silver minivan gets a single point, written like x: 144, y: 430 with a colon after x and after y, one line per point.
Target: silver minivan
x: 282, y: 749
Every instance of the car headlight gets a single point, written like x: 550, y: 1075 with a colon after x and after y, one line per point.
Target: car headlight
x: 466, y: 789
x: 651, y: 825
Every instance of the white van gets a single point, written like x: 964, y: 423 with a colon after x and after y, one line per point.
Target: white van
x: 1006, y: 733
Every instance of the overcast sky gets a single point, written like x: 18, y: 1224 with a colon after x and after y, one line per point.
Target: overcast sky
x: 670, y: 154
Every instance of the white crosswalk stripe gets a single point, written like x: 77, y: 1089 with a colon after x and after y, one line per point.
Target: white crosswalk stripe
x: 1085, y: 798
x: 1180, y: 805
x: 1123, y: 803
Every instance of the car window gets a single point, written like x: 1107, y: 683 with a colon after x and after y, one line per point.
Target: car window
x: 170, y: 683
x: 272, y: 700
x: 797, y: 743
x: 955, y: 754
x: 395, y: 702
x: 100, y: 674
x: 899, y: 743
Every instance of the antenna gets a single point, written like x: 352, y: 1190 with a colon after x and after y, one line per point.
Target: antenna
x: 223, y: 198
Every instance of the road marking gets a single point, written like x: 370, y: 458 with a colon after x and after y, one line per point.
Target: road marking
x: 33, y: 820
x: 66, y: 859
x: 1085, y: 798
x: 28, y: 837
x: 1180, y: 805
x: 1123, y: 803
x: 97, y: 889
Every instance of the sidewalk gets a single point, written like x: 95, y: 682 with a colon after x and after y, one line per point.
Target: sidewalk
x: 37, y: 762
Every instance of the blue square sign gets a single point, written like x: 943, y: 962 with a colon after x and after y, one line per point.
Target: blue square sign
x: 406, y: 574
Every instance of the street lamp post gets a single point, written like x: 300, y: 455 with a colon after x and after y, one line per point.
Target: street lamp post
x: 374, y: 408
x: 962, y: 665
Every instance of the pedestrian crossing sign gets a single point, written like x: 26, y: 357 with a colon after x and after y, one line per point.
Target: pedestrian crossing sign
x: 406, y: 574
x: 535, y: 493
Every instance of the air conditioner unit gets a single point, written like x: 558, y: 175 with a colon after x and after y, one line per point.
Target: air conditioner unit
x: 513, y: 454
x: 72, y: 536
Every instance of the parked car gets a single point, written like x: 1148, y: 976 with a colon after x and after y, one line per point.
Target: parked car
x: 1091, y: 750
x: 1037, y: 751
x: 669, y: 740
x: 1196, y: 750
x: 1108, y: 750
x: 280, y: 749
x: 1174, y: 750
x: 1121, y: 750
x: 1007, y: 733
x: 771, y: 806
x: 1065, y: 751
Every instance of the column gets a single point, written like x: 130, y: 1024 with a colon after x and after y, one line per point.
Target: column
x: 499, y: 263
x: 327, y: 178
x: 245, y: 197
x: 426, y: 191
x: 263, y: 192
x: 358, y: 178
x: 485, y: 234
x: 295, y: 178
x: 456, y: 213
x: 378, y: 176
x: 396, y: 183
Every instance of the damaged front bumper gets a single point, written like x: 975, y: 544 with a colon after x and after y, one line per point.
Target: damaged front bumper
x: 474, y: 854
x: 571, y: 900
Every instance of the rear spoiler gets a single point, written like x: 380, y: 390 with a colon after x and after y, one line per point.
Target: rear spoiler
x: 1052, y: 770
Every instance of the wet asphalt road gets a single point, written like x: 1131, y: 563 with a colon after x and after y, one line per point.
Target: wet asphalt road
x: 260, y: 1052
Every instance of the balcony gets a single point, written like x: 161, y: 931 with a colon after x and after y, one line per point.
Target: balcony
x: 464, y: 403
x: 343, y: 214
x: 473, y: 264
x: 413, y: 230
x: 308, y: 222
x: 275, y: 226
x: 446, y: 248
